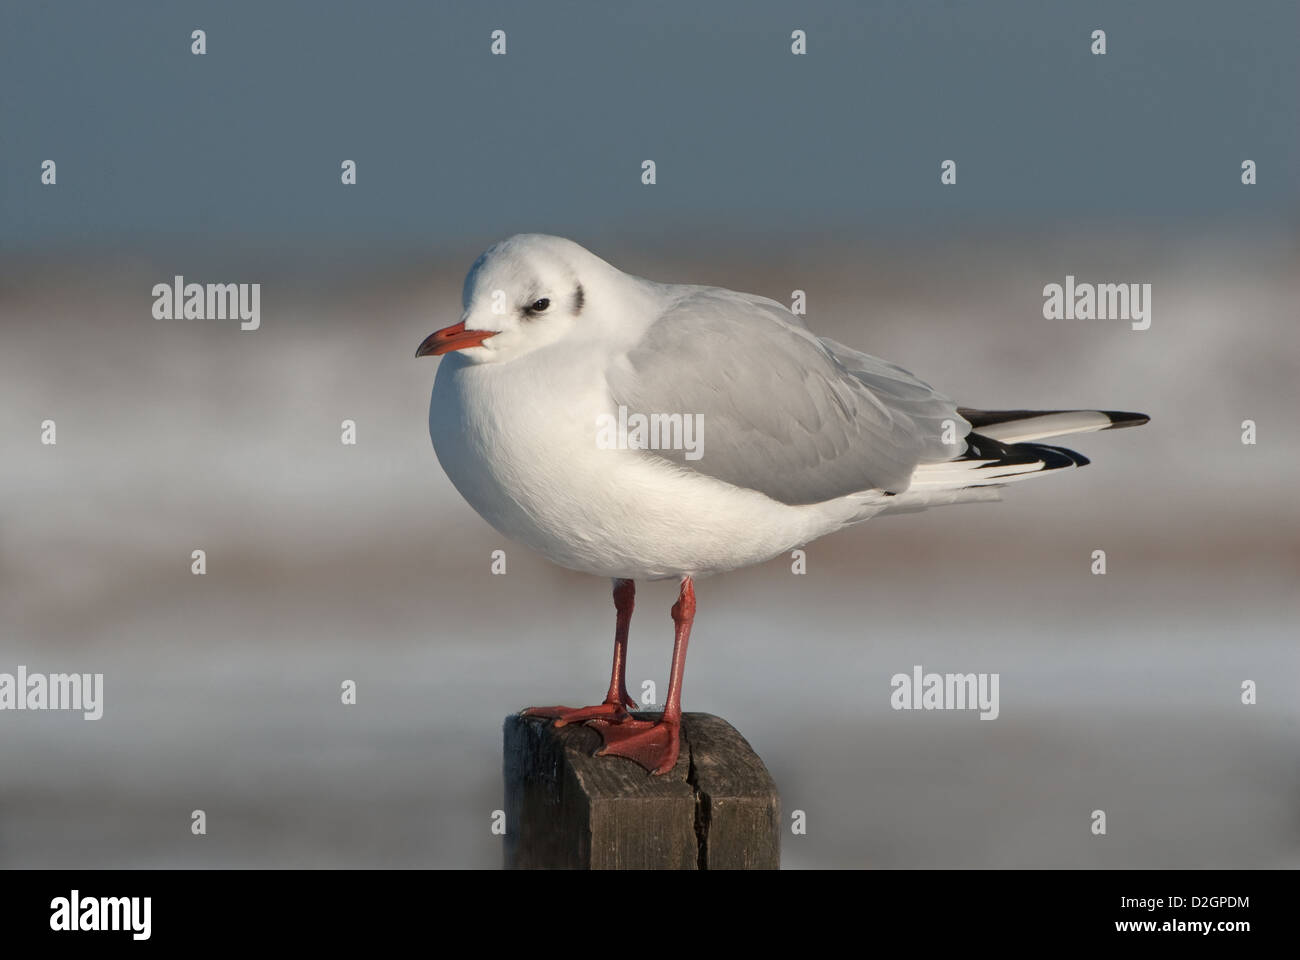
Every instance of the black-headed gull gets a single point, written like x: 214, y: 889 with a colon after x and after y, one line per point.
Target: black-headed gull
x: 633, y: 429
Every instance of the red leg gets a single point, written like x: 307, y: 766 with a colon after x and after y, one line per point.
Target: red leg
x: 616, y: 704
x: 655, y: 745
x: 624, y: 601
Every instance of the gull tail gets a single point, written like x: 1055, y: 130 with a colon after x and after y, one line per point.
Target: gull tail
x: 1002, y: 448
x: 989, y: 462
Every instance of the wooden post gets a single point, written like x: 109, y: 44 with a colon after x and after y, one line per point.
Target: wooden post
x: 718, y: 809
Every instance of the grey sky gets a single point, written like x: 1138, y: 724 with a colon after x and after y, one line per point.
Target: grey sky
x: 157, y: 148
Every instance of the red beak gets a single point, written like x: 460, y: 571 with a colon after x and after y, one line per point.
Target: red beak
x: 455, y: 337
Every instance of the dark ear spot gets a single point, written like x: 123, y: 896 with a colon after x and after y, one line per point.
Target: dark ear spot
x: 577, y: 300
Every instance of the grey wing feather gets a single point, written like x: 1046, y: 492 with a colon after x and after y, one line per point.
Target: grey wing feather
x: 801, y: 419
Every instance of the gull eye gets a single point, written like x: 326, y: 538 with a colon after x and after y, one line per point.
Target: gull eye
x: 539, y: 305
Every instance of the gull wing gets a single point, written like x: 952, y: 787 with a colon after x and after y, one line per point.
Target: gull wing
x: 798, y: 418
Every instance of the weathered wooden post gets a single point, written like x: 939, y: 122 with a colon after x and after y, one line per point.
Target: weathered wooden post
x: 718, y: 809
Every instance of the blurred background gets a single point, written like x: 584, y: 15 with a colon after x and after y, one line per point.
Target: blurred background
x: 775, y: 172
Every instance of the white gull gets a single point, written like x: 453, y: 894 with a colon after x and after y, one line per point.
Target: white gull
x: 801, y: 436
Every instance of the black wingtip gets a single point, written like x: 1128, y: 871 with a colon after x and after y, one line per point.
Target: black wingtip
x: 1122, y: 418
x: 1054, y: 458
x: 979, y: 447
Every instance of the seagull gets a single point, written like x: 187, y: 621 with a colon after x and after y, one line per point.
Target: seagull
x: 641, y: 431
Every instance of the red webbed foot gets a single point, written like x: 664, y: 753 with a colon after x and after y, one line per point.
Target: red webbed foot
x: 652, y: 744
x: 609, y: 712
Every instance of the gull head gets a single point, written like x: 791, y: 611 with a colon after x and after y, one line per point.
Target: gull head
x: 522, y: 294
